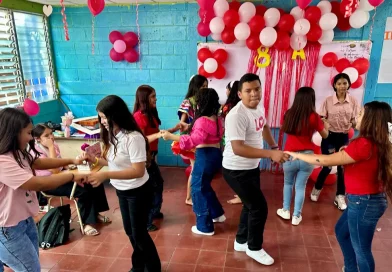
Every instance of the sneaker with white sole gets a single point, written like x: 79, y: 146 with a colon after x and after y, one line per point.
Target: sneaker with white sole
x: 196, y: 231
x: 283, y: 214
x: 315, y: 194
x: 219, y: 219
x: 296, y: 220
x: 340, y: 202
x: 260, y: 256
x: 240, y: 247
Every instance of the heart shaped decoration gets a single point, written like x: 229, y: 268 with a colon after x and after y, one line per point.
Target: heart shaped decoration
x: 47, y: 9
x: 96, y: 6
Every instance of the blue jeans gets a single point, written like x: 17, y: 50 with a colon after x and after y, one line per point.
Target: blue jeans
x: 19, y: 247
x: 296, y: 172
x: 355, y: 230
x: 206, y: 206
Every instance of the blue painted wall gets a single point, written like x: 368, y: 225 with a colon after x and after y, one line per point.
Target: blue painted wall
x: 168, y: 57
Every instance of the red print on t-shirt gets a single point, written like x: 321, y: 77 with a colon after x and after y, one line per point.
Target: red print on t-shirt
x: 259, y: 123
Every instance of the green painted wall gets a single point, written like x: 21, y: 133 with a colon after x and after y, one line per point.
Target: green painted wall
x: 22, y: 5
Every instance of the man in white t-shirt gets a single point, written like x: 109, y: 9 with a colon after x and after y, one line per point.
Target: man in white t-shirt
x: 245, y: 129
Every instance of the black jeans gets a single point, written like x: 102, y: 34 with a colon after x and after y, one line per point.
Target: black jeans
x: 246, y: 184
x: 91, y: 201
x: 135, y: 205
x: 156, y: 181
x: 331, y: 145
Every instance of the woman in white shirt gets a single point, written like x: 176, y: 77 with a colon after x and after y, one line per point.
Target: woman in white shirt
x: 125, y: 151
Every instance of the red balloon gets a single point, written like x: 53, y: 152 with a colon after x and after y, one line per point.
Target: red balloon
x: 227, y: 35
x: 30, y: 107
x: 206, y: 4
x: 96, y: 6
x: 281, y: 11
x: 358, y: 83
x: 314, y: 33
x: 283, y: 41
x: 131, y: 55
x: 330, y: 59
x: 362, y: 65
x: 343, y: 23
x: 203, y: 72
x: 231, y: 18
x: 220, y: 55
x: 114, y: 36
x: 303, y: 3
x: 351, y: 133
x: 203, y: 54
x: 203, y: 29
x: 220, y: 72
x: 347, y: 7
x: 342, y: 64
x: 116, y: 56
x: 206, y: 14
x: 313, y: 14
x: 131, y: 39
x: 253, y: 42
x: 256, y: 24
x: 286, y: 22
x: 188, y: 171
x: 234, y: 5
x: 260, y: 10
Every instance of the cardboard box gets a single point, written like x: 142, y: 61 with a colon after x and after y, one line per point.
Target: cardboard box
x: 75, y: 124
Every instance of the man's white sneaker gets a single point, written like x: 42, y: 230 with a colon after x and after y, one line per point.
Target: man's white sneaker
x: 196, y: 231
x: 219, y: 219
x: 260, y: 256
x: 283, y: 213
x: 296, y: 220
x: 240, y: 247
x: 340, y: 202
x: 315, y: 194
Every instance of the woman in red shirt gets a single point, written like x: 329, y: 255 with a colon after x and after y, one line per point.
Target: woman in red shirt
x: 368, y: 181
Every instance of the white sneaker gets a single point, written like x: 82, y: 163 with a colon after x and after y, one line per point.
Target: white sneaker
x: 240, y: 247
x: 196, y: 231
x: 315, y: 194
x: 340, y: 202
x: 260, y: 256
x: 283, y: 213
x: 219, y: 219
x: 296, y: 220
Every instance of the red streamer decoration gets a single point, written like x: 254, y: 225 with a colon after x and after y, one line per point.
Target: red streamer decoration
x: 252, y: 68
x: 269, y: 72
x: 64, y: 20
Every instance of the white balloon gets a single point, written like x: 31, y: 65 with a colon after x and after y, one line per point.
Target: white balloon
x: 352, y: 73
x: 325, y: 7
x: 316, y: 139
x: 220, y: 7
x: 327, y: 36
x: 210, y: 65
x: 216, y: 37
x: 359, y: 18
x: 301, y: 27
x: 328, y: 21
x: 297, y: 13
x: 247, y: 11
x: 217, y: 25
x: 242, y: 31
x: 268, y: 36
x: 365, y: 5
x: 240, y: 43
x: 271, y: 17
x: 334, y: 170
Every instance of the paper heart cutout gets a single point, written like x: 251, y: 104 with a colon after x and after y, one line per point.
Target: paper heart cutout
x: 47, y: 9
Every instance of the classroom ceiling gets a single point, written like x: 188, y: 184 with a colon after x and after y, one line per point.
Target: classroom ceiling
x: 108, y: 2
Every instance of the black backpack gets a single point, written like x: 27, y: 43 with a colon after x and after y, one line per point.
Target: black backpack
x: 54, y: 227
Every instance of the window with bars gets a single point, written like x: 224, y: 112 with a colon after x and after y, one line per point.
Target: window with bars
x: 26, y: 67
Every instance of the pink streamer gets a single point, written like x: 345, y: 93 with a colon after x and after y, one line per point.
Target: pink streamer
x: 64, y: 20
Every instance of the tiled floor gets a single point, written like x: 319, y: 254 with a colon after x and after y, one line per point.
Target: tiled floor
x: 311, y: 246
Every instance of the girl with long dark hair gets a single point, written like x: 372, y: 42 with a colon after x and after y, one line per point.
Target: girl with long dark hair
x: 300, y: 123
x: 126, y: 153
x: 367, y: 164
x: 18, y: 185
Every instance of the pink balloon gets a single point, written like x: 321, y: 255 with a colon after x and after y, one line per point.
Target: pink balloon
x: 375, y: 3
x: 116, y: 56
x: 131, y: 55
x: 203, y: 29
x: 303, y: 3
x: 131, y: 39
x: 120, y: 46
x: 114, y: 36
x: 31, y: 107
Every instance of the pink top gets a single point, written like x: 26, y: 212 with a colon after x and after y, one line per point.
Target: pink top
x: 16, y: 204
x: 203, y: 132
x: 45, y: 154
x: 340, y: 114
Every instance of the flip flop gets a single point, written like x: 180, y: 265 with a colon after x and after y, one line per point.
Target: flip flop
x: 90, y: 231
x: 103, y: 219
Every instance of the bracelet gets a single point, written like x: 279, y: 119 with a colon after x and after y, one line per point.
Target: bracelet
x: 274, y: 147
x: 95, y: 163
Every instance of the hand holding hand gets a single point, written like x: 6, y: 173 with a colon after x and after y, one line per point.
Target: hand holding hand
x: 165, y: 134
x: 97, y: 178
x: 293, y: 155
x: 80, y: 179
x: 279, y: 156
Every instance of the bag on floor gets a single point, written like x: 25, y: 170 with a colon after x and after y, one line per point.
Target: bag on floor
x: 54, y: 227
